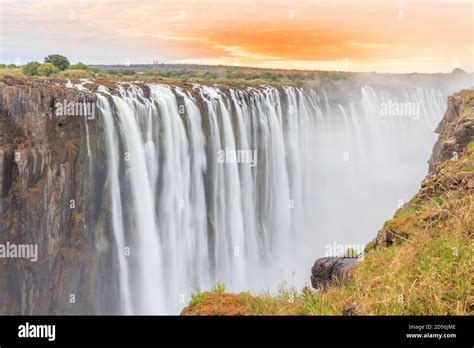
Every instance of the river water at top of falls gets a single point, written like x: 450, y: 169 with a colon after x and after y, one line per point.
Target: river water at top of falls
x: 249, y: 186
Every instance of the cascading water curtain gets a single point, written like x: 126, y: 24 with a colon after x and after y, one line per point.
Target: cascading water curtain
x: 245, y: 186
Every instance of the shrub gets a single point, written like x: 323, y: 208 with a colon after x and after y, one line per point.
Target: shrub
x: 47, y: 69
x: 79, y: 66
x: 219, y: 287
x: 59, y: 61
x: 75, y: 73
x: 31, y: 69
x: 199, y: 298
x: 7, y: 71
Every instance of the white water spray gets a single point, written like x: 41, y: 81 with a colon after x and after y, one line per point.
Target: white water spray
x: 325, y: 172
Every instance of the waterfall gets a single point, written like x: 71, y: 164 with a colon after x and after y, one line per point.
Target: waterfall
x: 246, y: 186
x: 117, y: 223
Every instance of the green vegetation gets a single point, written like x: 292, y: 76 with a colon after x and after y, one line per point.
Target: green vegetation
x: 228, y: 76
x: 200, y: 297
x: 59, y: 61
x: 219, y: 287
x: 75, y: 74
x: 369, y: 247
x: 218, y: 74
x: 31, y: 69
x: 47, y: 69
x: 54, y: 65
x: 468, y: 168
x: 79, y: 66
x: 8, y: 71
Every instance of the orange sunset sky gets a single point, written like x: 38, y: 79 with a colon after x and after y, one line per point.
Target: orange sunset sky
x: 363, y: 35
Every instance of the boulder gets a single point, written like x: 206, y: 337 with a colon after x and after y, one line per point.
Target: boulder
x: 329, y: 270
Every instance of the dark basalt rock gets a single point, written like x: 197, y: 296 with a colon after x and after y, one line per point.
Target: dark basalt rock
x: 329, y: 270
x: 455, y: 131
x: 43, y: 166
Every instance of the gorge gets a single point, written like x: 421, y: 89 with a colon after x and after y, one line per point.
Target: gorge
x: 135, y: 209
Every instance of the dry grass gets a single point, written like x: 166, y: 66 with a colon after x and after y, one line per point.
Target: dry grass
x: 11, y: 72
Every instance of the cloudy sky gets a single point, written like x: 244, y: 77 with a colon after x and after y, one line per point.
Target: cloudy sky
x: 361, y: 35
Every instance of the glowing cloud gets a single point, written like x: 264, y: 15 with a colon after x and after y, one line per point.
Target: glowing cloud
x: 362, y: 35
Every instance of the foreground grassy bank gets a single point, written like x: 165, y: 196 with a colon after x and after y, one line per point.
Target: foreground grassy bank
x: 421, y: 262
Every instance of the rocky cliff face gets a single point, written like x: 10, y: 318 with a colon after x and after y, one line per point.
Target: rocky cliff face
x: 48, y: 199
x: 455, y: 130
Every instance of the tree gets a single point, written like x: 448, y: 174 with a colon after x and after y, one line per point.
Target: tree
x: 59, y: 61
x: 31, y: 69
x: 47, y: 69
x: 79, y: 66
x: 459, y: 72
